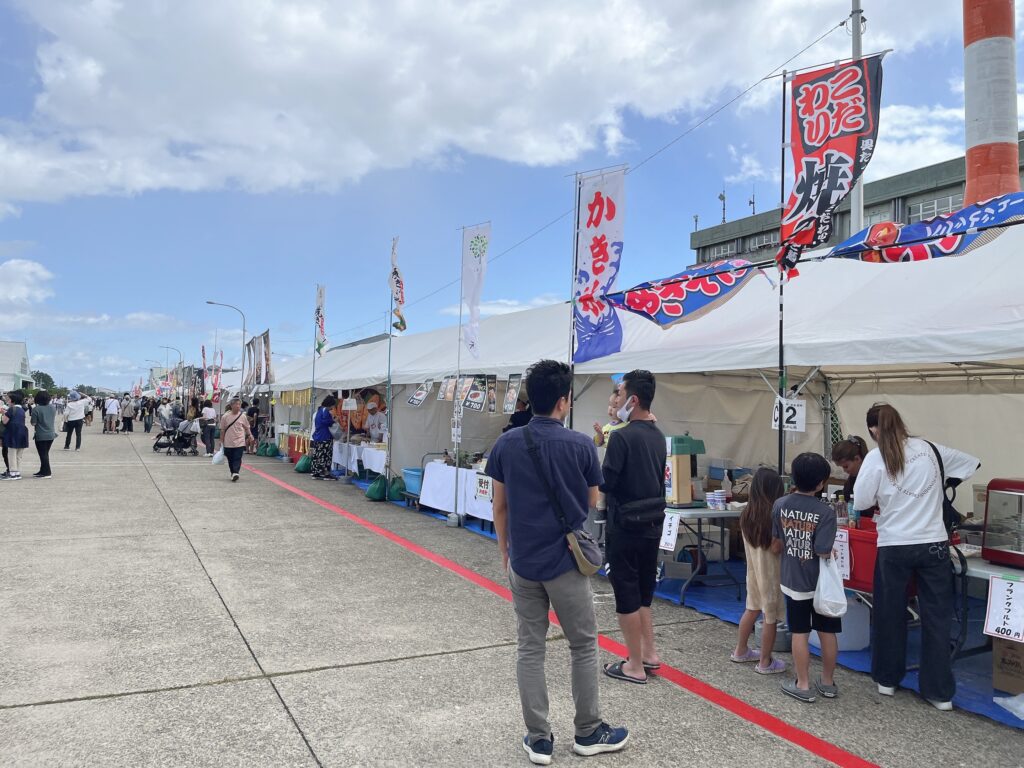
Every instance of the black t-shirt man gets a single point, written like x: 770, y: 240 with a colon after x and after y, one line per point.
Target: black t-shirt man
x: 634, y: 469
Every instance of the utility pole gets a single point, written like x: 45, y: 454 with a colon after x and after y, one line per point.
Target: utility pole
x: 857, y: 194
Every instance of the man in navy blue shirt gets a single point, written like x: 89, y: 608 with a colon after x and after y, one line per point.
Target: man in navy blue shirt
x: 541, y: 570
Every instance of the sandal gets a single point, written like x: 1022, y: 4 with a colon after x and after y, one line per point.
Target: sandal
x: 746, y: 658
x: 651, y: 667
x: 614, y: 670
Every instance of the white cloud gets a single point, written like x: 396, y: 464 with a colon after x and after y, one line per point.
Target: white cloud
x: 504, y: 306
x: 750, y: 168
x: 313, y: 94
x: 24, y: 282
x: 912, y: 137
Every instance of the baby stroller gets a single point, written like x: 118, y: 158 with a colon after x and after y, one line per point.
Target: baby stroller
x: 178, y: 437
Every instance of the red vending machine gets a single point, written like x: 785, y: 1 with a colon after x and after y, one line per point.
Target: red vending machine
x: 1003, y: 538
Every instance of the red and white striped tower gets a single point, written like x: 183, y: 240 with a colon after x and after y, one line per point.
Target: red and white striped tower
x: 990, y: 99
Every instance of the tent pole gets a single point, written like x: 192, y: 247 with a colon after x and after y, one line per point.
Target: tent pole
x: 782, y: 285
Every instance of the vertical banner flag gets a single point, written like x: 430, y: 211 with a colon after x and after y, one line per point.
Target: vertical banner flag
x: 397, y: 288
x: 833, y: 129
x: 599, y: 242
x: 218, y: 370
x: 475, y: 241
x: 204, y: 369
x: 268, y: 376
x: 318, y: 317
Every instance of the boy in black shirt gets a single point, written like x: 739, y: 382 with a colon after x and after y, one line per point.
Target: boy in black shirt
x: 806, y: 527
x: 634, y: 487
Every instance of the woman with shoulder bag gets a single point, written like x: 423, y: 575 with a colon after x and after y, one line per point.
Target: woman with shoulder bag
x: 905, y: 477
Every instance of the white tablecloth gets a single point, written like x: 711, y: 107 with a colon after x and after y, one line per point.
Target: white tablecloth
x: 438, y: 491
x: 349, y: 455
x: 373, y: 459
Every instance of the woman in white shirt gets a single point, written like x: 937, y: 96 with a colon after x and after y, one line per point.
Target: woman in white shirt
x: 208, y: 420
x: 902, y: 476
x: 74, y: 418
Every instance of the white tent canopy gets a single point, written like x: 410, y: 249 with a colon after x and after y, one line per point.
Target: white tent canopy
x: 851, y: 319
x: 838, y: 313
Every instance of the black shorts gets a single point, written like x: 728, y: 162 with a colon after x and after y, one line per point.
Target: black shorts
x: 634, y: 570
x: 802, y: 618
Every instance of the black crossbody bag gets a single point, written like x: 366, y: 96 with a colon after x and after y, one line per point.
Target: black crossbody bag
x: 951, y: 518
x: 585, y: 550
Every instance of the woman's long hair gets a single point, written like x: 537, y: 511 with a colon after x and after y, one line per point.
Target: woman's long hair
x: 892, y: 435
x: 756, y: 520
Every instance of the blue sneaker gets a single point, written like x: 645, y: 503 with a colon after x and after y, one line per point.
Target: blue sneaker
x: 603, y: 739
x: 540, y: 751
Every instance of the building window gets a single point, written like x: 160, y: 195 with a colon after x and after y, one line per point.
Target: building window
x: 763, y: 240
x: 929, y: 209
x: 877, y: 216
x: 721, y: 251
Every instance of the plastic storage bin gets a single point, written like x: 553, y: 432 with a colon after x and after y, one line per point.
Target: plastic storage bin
x: 413, y: 477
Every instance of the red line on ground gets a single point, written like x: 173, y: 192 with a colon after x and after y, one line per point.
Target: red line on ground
x: 719, y: 698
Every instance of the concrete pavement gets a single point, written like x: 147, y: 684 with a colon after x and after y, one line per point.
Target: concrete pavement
x: 155, y: 614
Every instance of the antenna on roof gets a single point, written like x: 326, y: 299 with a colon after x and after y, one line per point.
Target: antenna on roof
x: 721, y: 196
x: 752, y: 202
x: 696, y: 218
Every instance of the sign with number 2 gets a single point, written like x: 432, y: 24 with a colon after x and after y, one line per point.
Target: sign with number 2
x: 792, y: 413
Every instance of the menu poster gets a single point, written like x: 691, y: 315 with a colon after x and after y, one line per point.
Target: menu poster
x: 515, y: 383
x: 465, y: 385
x: 449, y: 388
x: 421, y: 393
x: 477, y: 396
x: 443, y: 389
x: 1004, y: 616
x: 492, y: 394
x: 841, y: 552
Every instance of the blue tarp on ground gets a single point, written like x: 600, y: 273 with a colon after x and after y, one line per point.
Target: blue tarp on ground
x: 973, y: 674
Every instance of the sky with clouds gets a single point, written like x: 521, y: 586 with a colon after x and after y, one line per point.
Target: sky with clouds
x: 154, y: 155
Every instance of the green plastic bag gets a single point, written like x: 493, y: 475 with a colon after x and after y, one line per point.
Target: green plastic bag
x: 304, y: 465
x: 396, y: 489
x: 262, y: 449
x: 378, y: 489
x: 272, y: 451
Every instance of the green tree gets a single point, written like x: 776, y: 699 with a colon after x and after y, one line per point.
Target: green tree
x: 43, y: 380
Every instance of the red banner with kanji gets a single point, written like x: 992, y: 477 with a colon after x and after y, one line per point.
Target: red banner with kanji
x: 833, y: 130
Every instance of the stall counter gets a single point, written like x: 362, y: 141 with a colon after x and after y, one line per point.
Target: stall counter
x: 438, y: 491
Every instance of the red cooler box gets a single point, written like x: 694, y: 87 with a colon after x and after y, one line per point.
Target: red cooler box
x: 863, y: 549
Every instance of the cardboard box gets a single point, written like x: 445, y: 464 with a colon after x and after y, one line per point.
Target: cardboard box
x: 1007, y: 665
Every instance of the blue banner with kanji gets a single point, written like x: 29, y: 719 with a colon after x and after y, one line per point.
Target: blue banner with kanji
x: 687, y: 295
x: 599, y: 220
x: 949, y: 234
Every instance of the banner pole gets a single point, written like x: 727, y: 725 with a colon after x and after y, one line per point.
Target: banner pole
x: 572, y: 293
x: 387, y: 465
x: 312, y: 377
x: 782, y: 286
x: 456, y: 405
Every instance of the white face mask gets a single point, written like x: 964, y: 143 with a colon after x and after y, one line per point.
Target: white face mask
x: 624, y: 412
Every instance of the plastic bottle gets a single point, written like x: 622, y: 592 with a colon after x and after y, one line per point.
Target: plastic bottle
x: 851, y: 513
x: 727, y: 486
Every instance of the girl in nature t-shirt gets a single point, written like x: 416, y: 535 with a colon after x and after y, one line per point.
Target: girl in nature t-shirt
x: 764, y: 593
x: 904, y: 477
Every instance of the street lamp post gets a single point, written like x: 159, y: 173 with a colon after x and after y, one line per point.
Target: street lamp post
x: 181, y: 367
x: 241, y: 383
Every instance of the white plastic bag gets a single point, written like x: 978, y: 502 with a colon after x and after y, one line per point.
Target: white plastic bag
x: 218, y: 457
x: 829, y: 595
